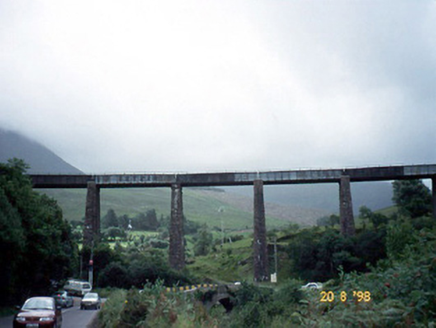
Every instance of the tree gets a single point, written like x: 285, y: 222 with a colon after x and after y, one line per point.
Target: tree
x: 114, y: 232
x: 151, y: 219
x: 114, y: 275
x: 110, y: 219
x: 204, y: 241
x: 412, y: 197
x: 32, y: 224
x: 328, y: 221
x: 146, y: 221
x: 103, y: 256
x: 377, y: 219
x: 11, y: 244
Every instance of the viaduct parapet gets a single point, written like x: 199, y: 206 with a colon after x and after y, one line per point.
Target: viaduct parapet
x: 176, y: 182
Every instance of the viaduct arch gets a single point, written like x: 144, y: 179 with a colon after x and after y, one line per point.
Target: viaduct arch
x: 176, y: 182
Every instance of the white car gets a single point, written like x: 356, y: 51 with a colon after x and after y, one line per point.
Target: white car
x: 312, y: 285
x: 77, y: 287
x: 90, y: 300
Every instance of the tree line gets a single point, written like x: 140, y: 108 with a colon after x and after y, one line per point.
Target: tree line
x: 317, y: 253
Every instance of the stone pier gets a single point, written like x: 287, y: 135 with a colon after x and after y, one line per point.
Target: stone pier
x: 346, y: 207
x: 91, y: 229
x: 177, y: 247
x: 433, y: 192
x: 260, y: 247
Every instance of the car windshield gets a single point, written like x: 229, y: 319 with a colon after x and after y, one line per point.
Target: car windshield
x: 38, y: 304
x: 90, y: 296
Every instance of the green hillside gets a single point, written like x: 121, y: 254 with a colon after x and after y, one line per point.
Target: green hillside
x: 199, y: 205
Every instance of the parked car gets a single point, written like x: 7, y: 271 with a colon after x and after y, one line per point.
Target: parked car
x: 77, y: 287
x: 64, y: 299
x: 90, y: 300
x: 41, y: 312
x: 312, y: 285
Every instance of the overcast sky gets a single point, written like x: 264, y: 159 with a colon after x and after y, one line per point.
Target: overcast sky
x: 134, y: 86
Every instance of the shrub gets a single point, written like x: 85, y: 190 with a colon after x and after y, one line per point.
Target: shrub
x: 114, y: 275
x: 398, y: 236
x: 109, y: 316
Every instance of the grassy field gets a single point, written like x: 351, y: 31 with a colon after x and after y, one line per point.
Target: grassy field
x: 231, y: 263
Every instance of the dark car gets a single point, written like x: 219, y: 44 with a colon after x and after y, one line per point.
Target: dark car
x: 63, y: 299
x: 90, y: 300
x: 39, y: 312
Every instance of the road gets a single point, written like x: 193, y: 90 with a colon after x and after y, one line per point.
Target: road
x: 72, y: 317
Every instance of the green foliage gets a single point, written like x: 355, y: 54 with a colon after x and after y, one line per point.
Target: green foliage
x: 392, y: 260
x: 399, y: 235
x: 153, y: 307
x: 108, y: 317
x: 328, y: 221
x: 36, y: 241
x: 114, y: 275
x: 427, y: 222
x: 316, y: 255
x: 369, y: 247
x: 190, y: 227
x: 412, y: 197
x: 203, y: 241
x: 112, y: 233
x: 124, y: 267
x: 11, y: 244
x: 110, y: 219
x: 376, y: 219
x: 258, y: 306
x: 158, y: 243
x: 290, y: 292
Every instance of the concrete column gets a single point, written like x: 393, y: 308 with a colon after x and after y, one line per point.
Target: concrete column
x: 433, y: 192
x: 346, y: 207
x: 260, y: 247
x: 177, y: 247
x: 91, y: 230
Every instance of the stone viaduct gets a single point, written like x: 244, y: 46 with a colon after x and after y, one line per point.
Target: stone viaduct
x: 176, y: 182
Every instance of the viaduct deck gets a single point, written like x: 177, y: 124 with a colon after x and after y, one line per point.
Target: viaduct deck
x: 235, y: 178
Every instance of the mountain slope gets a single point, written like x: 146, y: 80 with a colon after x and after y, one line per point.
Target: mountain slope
x: 199, y: 205
x: 41, y: 159
x: 375, y: 195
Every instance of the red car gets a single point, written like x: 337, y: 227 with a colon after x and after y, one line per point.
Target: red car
x: 39, y: 312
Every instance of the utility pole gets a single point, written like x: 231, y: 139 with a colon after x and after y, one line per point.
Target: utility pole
x: 274, y: 275
x: 81, y: 265
x: 275, y: 255
x: 220, y: 210
x: 91, y: 265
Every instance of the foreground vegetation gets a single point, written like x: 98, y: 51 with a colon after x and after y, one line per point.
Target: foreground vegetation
x: 385, y: 276
x: 36, y: 243
x: 400, y: 291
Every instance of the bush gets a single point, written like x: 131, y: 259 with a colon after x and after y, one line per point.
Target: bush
x: 114, y: 275
x: 399, y: 235
x: 153, y: 307
x: 109, y: 316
